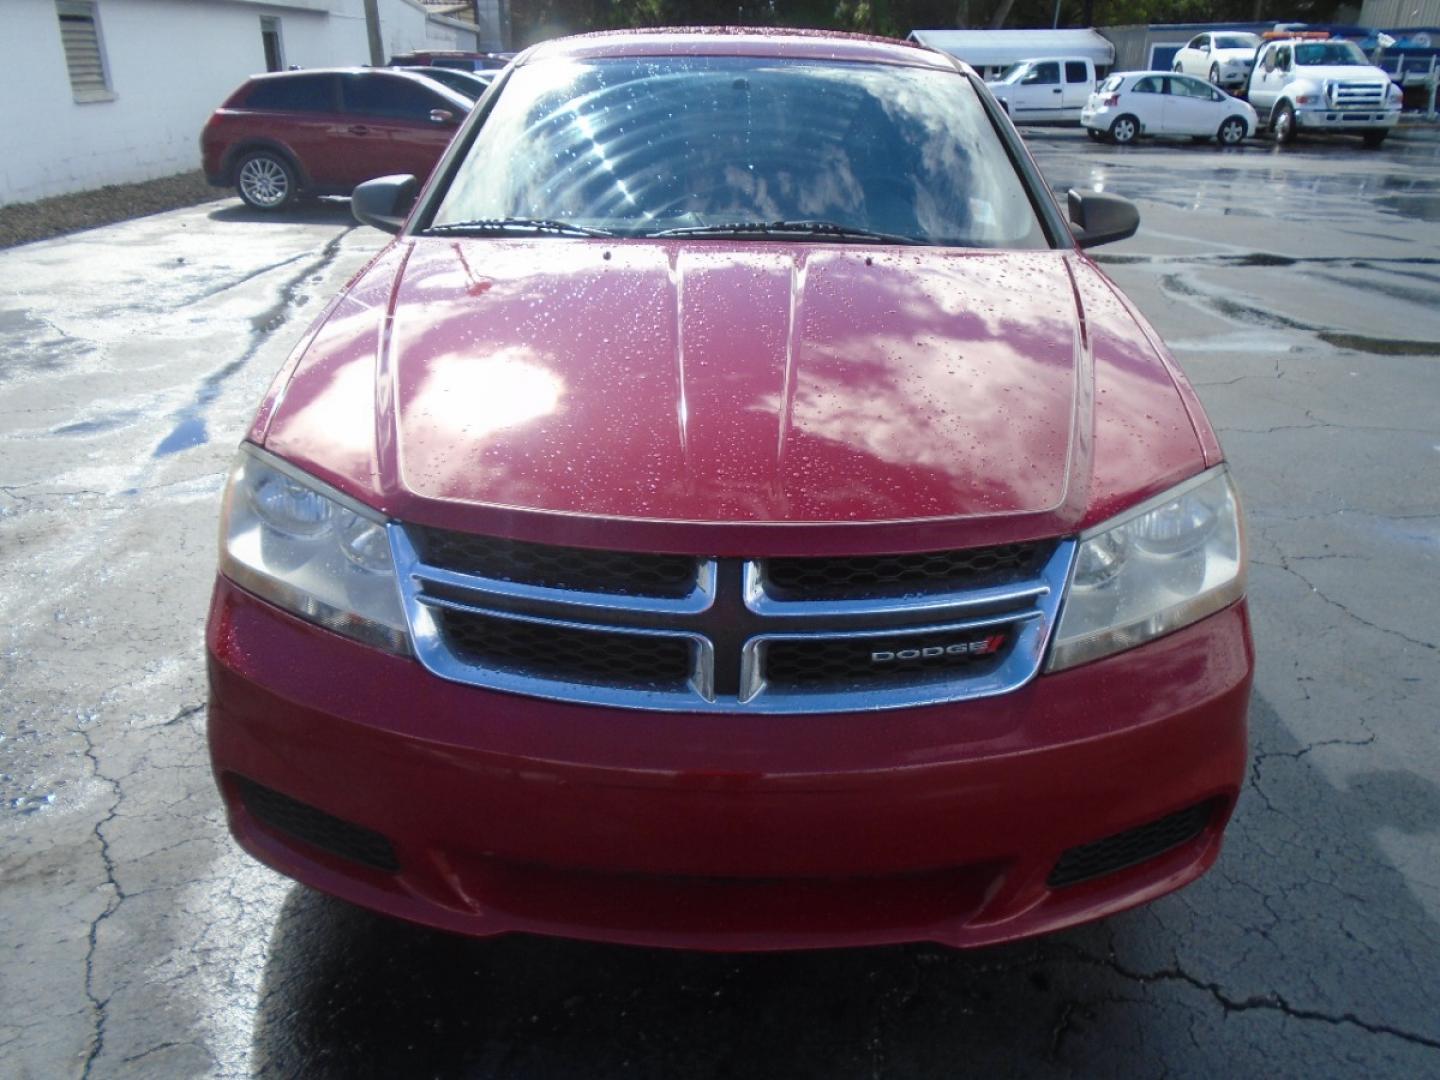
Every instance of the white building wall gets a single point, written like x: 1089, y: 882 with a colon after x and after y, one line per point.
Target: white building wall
x: 170, y: 63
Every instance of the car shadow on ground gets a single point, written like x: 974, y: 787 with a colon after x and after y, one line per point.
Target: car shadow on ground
x: 1305, y: 927
x: 326, y: 211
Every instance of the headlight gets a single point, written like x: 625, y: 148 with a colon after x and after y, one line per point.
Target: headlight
x: 1395, y: 94
x: 1161, y: 566
x: 311, y: 550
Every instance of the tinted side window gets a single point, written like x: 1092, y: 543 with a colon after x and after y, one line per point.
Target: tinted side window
x: 1150, y: 85
x: 1075, y: 71
x: 1190, y: 88
x: 391, y: 98
x: 1043, y: 74
x: 293, y: 93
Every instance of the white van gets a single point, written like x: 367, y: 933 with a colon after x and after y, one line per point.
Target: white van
x: 1045, y: 90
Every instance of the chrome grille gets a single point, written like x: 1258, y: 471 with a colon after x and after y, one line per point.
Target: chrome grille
x: 486, y: 639
x: 1359, y: 95
x: 880, y: 575
x: 557, y: 567
x: 785, y: 635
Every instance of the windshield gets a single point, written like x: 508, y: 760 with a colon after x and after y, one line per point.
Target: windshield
x: 1236, y: 41
x: 639, y: 146
x: 1330, y: 53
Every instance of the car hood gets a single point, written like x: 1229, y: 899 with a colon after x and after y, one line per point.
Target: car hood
x: 1233, y: 54
x: 1341, y: 73
x: 478, y: 383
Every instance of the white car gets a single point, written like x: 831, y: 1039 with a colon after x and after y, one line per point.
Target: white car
x: 1130, y: 104
x: 1225, y: 57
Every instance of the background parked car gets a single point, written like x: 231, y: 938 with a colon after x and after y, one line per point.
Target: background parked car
x: 1130, y: 104
x: 1224, y: 57
x: 321, y: 132
x: 469, y: 83
x: 1036, y: 91
x: 453, y: 58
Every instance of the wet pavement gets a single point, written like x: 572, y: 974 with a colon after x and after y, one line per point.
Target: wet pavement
x: 1300, y: 290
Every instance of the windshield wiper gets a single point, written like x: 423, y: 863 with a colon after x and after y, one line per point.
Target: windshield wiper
x: 782, y: 229
x: 500, y: 226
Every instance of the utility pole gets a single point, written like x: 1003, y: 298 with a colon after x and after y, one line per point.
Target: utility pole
x: 372, y: 29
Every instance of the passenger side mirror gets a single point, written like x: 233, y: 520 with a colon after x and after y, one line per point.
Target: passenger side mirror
x: 1270, y: 61
x: 385, y: 202
x: 1097, y: 218
x: 442, y: 116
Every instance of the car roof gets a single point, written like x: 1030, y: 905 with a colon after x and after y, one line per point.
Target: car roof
x: 789, y: 43
x: 354, y: 70
x: 427, y: 70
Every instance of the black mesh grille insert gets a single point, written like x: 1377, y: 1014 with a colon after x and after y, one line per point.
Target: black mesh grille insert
x: 888, y: 575
x: 304, y: 822
x: 1129, y: 848
x: 838, y: 661
x: 619, y: 572
x: 561, y: 652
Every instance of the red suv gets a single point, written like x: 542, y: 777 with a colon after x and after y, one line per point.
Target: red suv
x: 733, y: 513
x: 321, y: 132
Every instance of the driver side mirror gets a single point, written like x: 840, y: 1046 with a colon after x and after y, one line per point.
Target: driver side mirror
x: 384, y: 202
x: 1269, y: 61
x: 1098, y: 218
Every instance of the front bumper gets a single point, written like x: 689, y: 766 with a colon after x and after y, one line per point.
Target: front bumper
x: 508, y: 813
x: 1317, y: 119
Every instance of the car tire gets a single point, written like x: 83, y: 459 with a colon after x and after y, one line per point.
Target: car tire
x: 1375, y: 139
x: 1282, y: 123
x: 265, y: 180
x: 1125, y: 130
x: 1232, y: 132
x: 1215, y: 74
x: 1095, y: 136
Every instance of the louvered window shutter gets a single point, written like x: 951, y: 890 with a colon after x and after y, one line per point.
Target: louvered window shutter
x: 81, y: 39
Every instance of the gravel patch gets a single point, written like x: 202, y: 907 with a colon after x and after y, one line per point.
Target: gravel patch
x: 20, y: 223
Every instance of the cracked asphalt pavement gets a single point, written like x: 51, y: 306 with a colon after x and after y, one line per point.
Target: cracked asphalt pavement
x: 1300, y: 290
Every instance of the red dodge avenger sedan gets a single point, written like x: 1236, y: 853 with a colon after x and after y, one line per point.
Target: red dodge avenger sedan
x: 733, y: 513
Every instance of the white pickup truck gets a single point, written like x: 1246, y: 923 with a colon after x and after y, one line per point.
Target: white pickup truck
x: 1306, y: 85
x: 1045, y: 90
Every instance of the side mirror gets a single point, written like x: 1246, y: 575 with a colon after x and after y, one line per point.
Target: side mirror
x: 1097, y: 218
x: 385, y: 202
x: 442, y: 116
